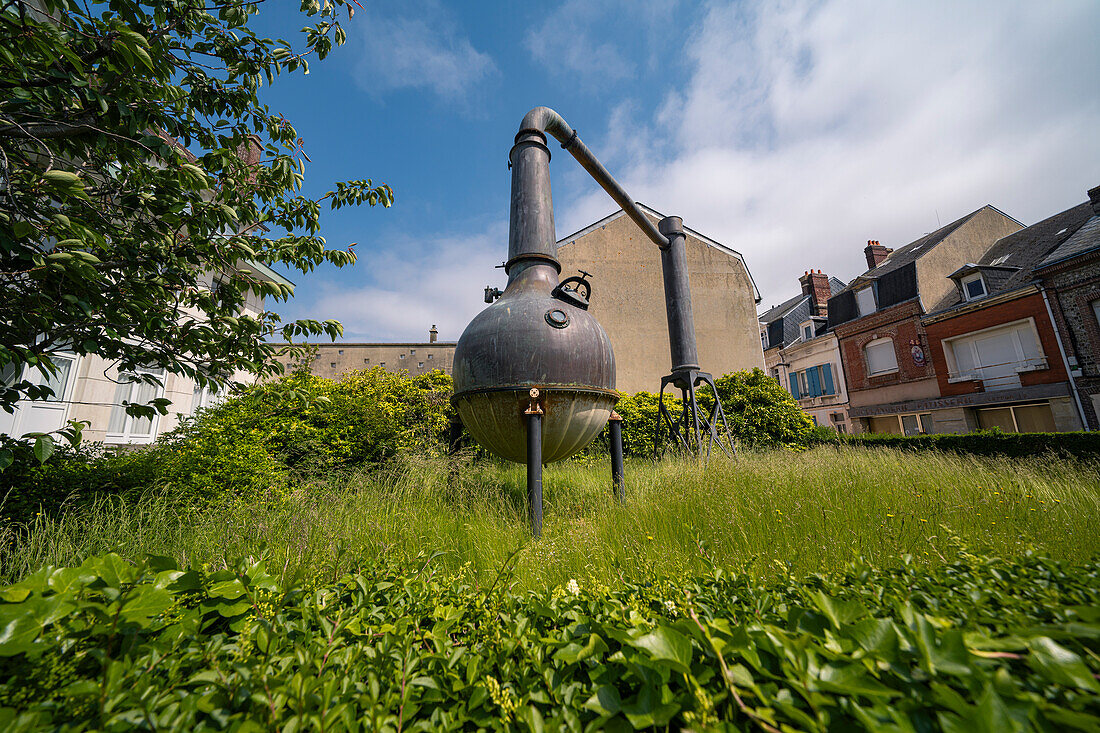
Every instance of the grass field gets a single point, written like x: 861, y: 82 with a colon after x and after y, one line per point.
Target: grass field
x: 776, y: 514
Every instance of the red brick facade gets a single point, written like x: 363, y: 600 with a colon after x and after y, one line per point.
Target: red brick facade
x: 901, y: 323
x: 1073, y: 287
x: 1028, y: 306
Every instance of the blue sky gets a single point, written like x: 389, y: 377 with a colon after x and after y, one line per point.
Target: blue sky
x: 791, y: 131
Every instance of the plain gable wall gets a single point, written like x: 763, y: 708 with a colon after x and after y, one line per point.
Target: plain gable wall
x: 968, y: 243
x: 629, y: 302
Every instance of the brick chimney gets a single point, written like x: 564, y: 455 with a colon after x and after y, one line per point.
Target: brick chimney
x: 816, y: 285
x: 250, y: 152
x: 1094, y: 199
x: 875, y: 253
x: 433, y: 335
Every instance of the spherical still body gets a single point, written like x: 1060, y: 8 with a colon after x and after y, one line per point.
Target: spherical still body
x: 529, y: 338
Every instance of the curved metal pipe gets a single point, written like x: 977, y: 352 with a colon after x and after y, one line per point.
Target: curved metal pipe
x: 544, y: 119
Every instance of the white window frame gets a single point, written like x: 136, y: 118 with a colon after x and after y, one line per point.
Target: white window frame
x: 802, y: 329
x: 127, y: 436
x: 966, y: 340
x: 764, y: 339
x: 59, y: 401
x: 859, y: 304
x: 207, y: 397
x: 867, y: 362
x: 976, y: 277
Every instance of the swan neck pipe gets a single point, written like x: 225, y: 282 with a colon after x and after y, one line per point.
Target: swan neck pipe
x: 546, y: 120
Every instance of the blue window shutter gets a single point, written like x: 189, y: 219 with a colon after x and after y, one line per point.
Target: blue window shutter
x: 827, y: 373
x: 794, y: 385
x: 812, y: 382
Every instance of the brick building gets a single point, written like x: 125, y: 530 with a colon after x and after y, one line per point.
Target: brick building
x: 877, y: 321
x: 802, y: 354
x: 1070, y: 274
x: 997, y: 358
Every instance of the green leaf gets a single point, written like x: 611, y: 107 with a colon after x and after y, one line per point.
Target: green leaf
x: 840, y: 613
x: 145, y: 602
x: 1060, y: 665
x: 667, y: 645
x: 605, y: 701
x: 43, y: 447
x: 7, y: 457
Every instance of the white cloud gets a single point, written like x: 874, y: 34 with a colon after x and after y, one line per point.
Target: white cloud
x: 572, y: 41
x: 422, y: 48
x: 809, y: 127
x: 414, y: 284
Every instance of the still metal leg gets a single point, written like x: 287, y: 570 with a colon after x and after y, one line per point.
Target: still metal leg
x: 618, y: 483
x: 534, y: 463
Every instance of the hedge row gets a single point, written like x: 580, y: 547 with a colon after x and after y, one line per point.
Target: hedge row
x: 976, y: 645
x: 1079, y: 445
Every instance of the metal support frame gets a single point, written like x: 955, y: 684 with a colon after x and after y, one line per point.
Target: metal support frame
x: 618, y: 481
x: 687, y: 432
x: 534, y: 462
x: 694, y: 431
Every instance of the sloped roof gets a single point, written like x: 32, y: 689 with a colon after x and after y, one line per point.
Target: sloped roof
x: 1085, y: 239
x: 1010, y: 263
x: 658, y: 215
x: 914, y: 250
x: 792, y: 313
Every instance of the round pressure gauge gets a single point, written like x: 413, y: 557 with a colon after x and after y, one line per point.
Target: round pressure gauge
x: 557, y: 318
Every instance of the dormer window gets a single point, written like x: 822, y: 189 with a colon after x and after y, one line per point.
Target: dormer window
x: 807, y: 331
x: 764, y: 339
x: 865, y: 299
x: 973, y: 286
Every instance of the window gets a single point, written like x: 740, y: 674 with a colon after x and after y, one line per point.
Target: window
x: 973, y: 286
x: 420, y: 364
x: 123, y: 428
x: 366, y: 361
x: 995, y: 355
x: 1036, y: 418
x: 880, y: 357
x: 339, y: 352
x: 400, y: 356
x: 917, y: 424
x: 813, y: 382
x: 332, y: 364
x: 1096, y: 309
x: 429, y: 356
x: 45, y: 415
x: 807, y: 331
x: 764, y: 340
x: 412, y: 351
x: 865, y: 299
x: 382, y: 364
x: 208, y: 396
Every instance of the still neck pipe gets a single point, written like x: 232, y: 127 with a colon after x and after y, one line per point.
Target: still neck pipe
x: 532, y: 242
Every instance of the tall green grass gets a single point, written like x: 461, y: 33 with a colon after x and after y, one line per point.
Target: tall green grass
x: 764, y: 513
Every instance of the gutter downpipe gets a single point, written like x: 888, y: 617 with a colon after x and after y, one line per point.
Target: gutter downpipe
x: 1065, y: 361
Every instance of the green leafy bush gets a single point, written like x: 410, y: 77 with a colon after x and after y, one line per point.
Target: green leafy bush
x: 1085, y: 446
x: 253, y: 445
x: 761, y: 413
x: 314, y: 426
x: 975, y: 645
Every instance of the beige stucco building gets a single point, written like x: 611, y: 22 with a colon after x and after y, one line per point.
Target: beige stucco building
x: 91, y: 389
x: 629, y: 302
x: 628, y: 299
x: 332, y: 360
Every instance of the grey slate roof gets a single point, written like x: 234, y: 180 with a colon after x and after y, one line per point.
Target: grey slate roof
x: 910, y: 252
x: 1010, y: 263
x: 786, y: 317
x: 1085, y: 239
